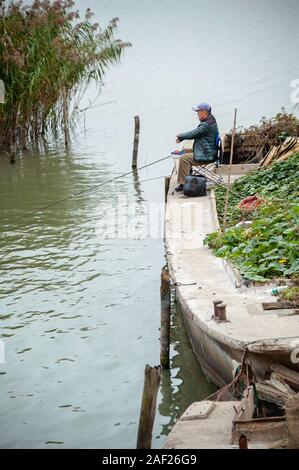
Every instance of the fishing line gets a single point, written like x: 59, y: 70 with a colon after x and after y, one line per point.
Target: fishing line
x: 84, y: 191
x: 148, y: 179
x: 79, y: 193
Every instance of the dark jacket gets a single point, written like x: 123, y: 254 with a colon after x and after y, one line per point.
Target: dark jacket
x: 205, y: 140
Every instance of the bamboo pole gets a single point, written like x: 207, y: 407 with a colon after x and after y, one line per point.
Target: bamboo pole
x: 229, y: 171
x: 165, y: 318
x: 65, y: 117
x: 152, y: 377
x: 136, y: 141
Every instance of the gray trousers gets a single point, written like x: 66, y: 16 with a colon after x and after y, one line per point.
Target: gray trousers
x: 186, y: 162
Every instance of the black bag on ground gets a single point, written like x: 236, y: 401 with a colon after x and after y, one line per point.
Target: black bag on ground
x: 195, y: 186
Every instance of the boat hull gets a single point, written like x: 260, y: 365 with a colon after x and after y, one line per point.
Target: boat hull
x: 219, y: 361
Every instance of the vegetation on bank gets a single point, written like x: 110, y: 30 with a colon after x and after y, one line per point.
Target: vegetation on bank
x: 252, y: 144
x: 268, y: 247
x: 291, y: 294
x: 272, y: 131
x: 47, y: 53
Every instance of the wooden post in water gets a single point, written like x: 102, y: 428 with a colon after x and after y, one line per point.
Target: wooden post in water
x: 165, y: 318
x: 167, y: 182
x: 243, y: 444
x: 136, y: 141
x: 65, y: 117
x: 229, y: 171
x: 152, y: 377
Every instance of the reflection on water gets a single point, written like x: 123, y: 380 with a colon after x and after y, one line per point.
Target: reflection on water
x: 80, y: 314
x: 184, y: 383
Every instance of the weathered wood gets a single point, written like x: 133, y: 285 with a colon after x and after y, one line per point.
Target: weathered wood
x: 288, y: 154
x: 291, y: 377
x: 152, y: 377
x: 269, y: 157
x: 272, y: 391
x: 165, y: 318
x: 243, y: 442
x: 167, y: 182
x: 277, y: 305
x: 136, y: 141
x: 245, y: 409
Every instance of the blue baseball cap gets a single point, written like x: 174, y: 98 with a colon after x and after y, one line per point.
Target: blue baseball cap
x: 204, y: 106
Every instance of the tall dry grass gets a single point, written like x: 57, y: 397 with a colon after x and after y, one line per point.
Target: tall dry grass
x: 45, y: 48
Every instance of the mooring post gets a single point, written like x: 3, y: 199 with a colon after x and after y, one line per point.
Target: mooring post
x: 167, y: 182
x: 221, y: 309
x: 165, y: 318
x: 136, y: 141
x: 148, y: 406
x: 243, y: 444
x: 216, y: 303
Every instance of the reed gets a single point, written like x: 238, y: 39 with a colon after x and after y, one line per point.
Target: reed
x: 46, y: 48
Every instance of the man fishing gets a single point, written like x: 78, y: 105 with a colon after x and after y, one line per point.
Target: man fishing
x: 205, y: 143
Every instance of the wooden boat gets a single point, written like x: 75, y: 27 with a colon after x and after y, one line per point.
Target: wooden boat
x: 266, y: 417
x: 255, y: 323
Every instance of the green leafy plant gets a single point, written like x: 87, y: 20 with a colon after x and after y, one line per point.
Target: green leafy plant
x: 269, y: 247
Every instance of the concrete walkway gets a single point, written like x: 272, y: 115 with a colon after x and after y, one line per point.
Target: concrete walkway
x: 212, y: 431
x: 201, y: 278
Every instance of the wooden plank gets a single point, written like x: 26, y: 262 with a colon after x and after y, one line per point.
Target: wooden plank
x: 270, y: 391
x: 277, y: 305
x: 285, y: 156
x: 269, y: 157
x: 291, y: 377
x: 245, y: 410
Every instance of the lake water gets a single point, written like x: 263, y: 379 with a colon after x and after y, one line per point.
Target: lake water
x: 79, y: 312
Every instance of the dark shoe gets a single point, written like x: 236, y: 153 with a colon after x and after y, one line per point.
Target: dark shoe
x: 180, y: 187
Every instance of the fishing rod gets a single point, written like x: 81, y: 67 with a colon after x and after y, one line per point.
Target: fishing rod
x: 209, y: 174
x: 148, y: 179
x: 79, y: 193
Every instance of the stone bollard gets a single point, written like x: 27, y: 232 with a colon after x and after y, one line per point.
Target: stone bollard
x: 221, y: 312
